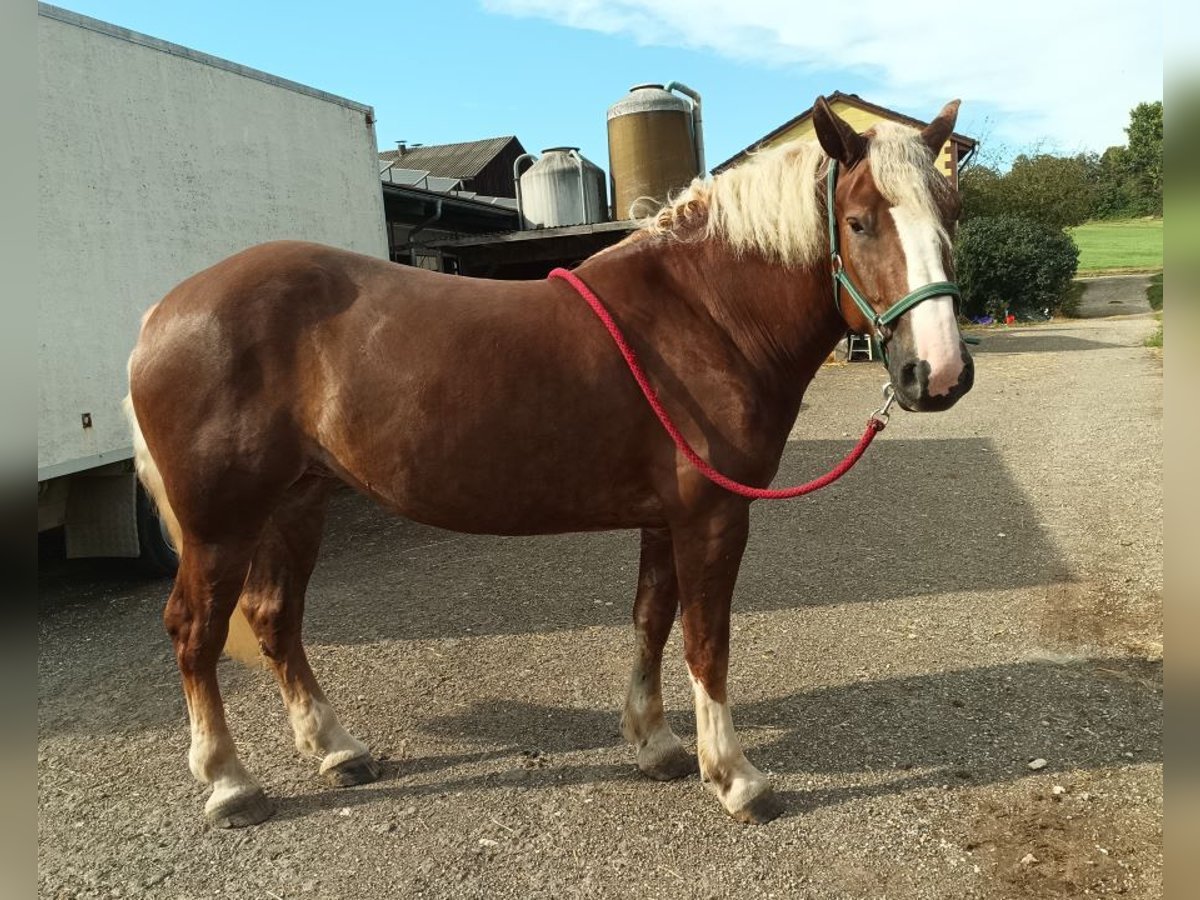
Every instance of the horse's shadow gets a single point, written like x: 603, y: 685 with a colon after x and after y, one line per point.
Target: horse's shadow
x: 916, y: 517
x: 878, y: 738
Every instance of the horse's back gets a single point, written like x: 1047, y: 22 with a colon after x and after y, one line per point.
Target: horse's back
x: 291, y: 356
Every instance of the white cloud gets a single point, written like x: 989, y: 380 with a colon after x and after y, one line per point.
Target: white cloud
x: 1061, y: 71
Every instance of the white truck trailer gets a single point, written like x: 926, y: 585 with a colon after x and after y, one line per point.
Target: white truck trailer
x: 157, y: 161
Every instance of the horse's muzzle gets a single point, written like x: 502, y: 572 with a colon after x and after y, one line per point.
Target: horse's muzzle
x: 911, y: 381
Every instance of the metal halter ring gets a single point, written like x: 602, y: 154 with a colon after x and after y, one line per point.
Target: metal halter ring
x: 889, y: 397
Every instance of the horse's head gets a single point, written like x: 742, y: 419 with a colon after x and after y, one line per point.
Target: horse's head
x: 893, y: 214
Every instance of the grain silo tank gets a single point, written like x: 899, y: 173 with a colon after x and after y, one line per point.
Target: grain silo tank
x: 655, y: 147
x: 562, y: 188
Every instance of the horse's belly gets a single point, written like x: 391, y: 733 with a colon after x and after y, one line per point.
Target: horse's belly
x: 515, y: 505
x: 519, y: 481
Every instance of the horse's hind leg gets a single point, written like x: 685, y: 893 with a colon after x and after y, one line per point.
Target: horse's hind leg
x: 197, y: 618
x: 659, y: 752
x: 273, y: 602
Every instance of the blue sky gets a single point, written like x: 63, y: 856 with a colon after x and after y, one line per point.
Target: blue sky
x: 546, y: 70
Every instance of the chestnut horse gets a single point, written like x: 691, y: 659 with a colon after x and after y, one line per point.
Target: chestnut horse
x: 504, y: 408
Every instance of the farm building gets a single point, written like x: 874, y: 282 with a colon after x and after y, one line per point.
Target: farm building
x: 453, y: 208
x: 416, y: 217
x: 480, y: 245
x: 531, y: 254
x: 862, y: 115
x: 484, y: 167
x: 655, y: 147
x: 436, y: 193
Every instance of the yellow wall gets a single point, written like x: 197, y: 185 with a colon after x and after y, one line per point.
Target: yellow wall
x: 860, y: 120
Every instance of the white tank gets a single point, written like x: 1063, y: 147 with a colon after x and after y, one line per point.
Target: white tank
x: 561, y: 188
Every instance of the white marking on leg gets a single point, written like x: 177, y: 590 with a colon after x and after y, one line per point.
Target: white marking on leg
x: 212, y: 759
x: 643, y: 722
x: 935, y: 330
x: 320, y: 734
x: 723, y: 765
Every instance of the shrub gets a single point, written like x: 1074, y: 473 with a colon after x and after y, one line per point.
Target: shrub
x: 1005, y: 263
x: 1154, y: 291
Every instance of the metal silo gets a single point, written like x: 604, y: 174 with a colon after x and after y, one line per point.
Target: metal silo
x: 561, y: 188
x: 655, y: 146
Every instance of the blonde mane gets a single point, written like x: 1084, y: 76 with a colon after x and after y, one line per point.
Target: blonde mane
x: 774, y: 202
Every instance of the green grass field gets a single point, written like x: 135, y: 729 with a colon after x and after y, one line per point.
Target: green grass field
x: 1126, y: 245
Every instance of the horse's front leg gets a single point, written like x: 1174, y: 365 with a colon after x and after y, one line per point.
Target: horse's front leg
x: 708, y: 552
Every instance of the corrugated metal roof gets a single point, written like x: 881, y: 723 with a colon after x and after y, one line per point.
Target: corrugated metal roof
x: 420, y: 178
x: 464, y: 160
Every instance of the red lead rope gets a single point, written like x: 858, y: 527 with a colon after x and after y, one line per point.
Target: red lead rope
x: 874, y: 424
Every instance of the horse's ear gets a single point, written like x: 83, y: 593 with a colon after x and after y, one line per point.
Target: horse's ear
x: 935, y: 133
x: 838, y: 139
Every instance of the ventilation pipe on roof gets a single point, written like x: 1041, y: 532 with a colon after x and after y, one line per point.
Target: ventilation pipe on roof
x: 697, y: 122
x: 517, y: 181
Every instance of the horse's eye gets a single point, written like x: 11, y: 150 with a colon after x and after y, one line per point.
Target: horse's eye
x: 855, y: 225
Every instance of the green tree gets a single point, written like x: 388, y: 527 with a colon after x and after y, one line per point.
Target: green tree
x: 1114, y: 192
x: 1056, y: 191
x: 1144, y: 155
x: 1053, y: 190
x: 980, y: 189
x: 1061, y: 191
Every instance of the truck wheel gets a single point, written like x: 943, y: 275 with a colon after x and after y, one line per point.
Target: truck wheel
x: 158, y: 554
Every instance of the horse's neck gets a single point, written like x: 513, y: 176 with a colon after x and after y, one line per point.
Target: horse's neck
x: 782, y: 320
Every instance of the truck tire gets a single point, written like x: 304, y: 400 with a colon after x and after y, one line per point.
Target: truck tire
x: 158, y: 554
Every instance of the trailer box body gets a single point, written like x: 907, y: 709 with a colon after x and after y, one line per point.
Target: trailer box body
x: 157, y: 161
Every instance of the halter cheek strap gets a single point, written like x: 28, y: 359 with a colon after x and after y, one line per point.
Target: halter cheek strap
x: 841, y: 279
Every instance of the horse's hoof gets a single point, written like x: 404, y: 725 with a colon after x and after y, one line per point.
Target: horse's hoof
x: 760, y: 810
x: 675, y: 763
x: 356, y: 770
x: 240, y: 810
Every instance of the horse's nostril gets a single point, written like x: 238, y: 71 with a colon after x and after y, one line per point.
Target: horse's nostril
x: 911, y: 381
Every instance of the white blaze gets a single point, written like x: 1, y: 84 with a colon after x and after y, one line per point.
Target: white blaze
x: 934, y: 327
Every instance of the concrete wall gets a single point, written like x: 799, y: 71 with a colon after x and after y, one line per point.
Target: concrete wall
x: 155, y: 162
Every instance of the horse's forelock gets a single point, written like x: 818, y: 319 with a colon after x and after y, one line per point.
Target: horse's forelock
x: 903, y: 170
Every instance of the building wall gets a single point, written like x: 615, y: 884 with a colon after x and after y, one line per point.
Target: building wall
x: 861, y: 120
x: 496, y: 178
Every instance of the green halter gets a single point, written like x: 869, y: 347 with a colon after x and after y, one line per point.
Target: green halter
x: 842, y: 280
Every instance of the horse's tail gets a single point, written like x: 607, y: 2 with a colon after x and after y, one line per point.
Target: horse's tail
x: 241, y: 644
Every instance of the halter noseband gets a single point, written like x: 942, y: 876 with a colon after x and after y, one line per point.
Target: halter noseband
x: 842, y: 280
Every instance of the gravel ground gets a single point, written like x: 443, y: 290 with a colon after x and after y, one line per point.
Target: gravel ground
x: 982, y: 593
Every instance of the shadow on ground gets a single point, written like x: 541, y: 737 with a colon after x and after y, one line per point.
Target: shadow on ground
x: 1040, y: 341
x: 969, y: 727
x: 915, y: 517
